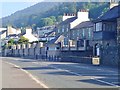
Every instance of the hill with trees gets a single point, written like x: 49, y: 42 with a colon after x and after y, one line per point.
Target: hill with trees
x: 49, y: 13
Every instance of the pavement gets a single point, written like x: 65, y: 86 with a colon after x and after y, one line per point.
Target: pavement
x: 61, y: 74
x: 13, y: 77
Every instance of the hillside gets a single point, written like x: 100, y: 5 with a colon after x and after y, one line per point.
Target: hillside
x: 24, y: 15
x: 48, y: 13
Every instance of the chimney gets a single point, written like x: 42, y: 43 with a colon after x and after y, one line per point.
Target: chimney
x: 113, y: 3
x: 82, y: 15
x: 68, y: 15
x: 28, y: 31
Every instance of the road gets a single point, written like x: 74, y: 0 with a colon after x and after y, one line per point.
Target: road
x: 64, y: 74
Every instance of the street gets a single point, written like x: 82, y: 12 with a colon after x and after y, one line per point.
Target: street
x: 43, y: 74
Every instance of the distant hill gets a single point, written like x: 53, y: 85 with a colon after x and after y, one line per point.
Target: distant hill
x: 23, y: 15
x: 47, y: 13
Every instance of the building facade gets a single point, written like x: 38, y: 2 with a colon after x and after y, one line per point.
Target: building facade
x: 105, y: 32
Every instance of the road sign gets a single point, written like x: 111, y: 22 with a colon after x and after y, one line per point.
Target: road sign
x: 96, y: 61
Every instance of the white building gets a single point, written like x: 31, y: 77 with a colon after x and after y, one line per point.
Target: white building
x: 28, y: 34
x: 3, y: 33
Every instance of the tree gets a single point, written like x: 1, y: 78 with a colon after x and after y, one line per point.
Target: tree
x: 59, y: 18
x: 11, y: 41
x: 48, y: 21
x: 72, y: 8
x: 53, y: 18
x: 23, y: 40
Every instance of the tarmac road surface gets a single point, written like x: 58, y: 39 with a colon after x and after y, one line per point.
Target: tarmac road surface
x: 57, y: 74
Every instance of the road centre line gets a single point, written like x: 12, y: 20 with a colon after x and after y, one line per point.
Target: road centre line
x: 82, y: 75
x: 30, y: 75
x: 91, y: 68
x: 78, y: 74
x: 75, y: 66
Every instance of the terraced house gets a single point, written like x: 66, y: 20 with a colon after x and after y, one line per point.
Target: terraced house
x: 69, y: 22
x: 82, y: 34
x: 105, y: 36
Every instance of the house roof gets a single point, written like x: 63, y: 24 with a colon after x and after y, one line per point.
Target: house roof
x: 12, y: 35
x: 56, y: 39
x: 84, y: 25
x: 51, y: 31
x: 53, y: 40
x: 113, y: 13
x: 3, y: 32
x: 67, y: 21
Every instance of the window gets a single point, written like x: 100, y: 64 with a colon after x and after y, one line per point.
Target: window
x: 77, y: 32
x: 62, y: 28
x: 89, y: 32
x: 67, y: 28
x: 99, y: 26
x: 58, y: 30
x: 109, y: 26
x: 83, y: 33
x: 65, y: 41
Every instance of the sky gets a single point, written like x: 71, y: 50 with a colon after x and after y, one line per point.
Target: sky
x: 8, y: 8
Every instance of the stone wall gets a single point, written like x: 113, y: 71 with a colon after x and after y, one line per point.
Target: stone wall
x: 110, y: 56
x: 70, y: 56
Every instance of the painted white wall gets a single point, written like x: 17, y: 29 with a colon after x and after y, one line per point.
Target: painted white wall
x: 2, y: 29
x: 30, y: 36
x: 28, y: 31
x: 11, y: 30
x: 66, y: 17
x: 81, y: 17
x: 18, y: 31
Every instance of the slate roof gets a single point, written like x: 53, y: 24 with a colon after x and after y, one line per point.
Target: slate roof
x: 3, y: 32
x: 67, y: 21
x: 113, y: 13
x: 84, y: 25
x: 51, y: 32
x: 54, y: 40
x: 12, y: 35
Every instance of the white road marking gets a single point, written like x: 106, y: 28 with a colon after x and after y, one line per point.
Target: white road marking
x: 92, y: 68
x: 95, y: 78
x: 91, y: 78
x: 79, y: 74
x: 30, y: 75
x: 104, y: 82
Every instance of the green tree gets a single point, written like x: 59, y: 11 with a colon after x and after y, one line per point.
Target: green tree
x: 23, y: 40
x: 48, y: 21
x: 53, y: 18
x: 59, y: 18
x: 72, y: 8
x: 11, y: 41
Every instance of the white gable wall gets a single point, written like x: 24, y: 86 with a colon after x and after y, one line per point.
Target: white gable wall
x: 66, y: 17
x: 81, y: 16
x: 30, y: 36
x: 29, y: 31
x: 11, y: 30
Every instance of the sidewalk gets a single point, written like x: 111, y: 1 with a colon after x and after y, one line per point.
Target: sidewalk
x: 13, y: 77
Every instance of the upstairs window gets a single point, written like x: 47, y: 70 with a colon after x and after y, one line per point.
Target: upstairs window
x: 83, y: 33
x: 89, y: 32
x: 67, y: 28
x: 62, y: 28
x: 77, y: 32
x: 98, y: 26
